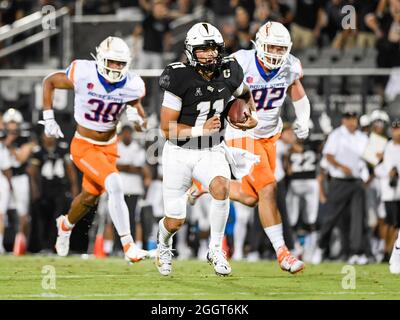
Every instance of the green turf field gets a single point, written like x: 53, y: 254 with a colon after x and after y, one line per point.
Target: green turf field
x: 112, y: 278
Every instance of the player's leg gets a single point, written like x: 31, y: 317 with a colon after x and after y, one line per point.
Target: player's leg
x: 394, y: 262
x: 213, y: 171
x: 243, y: 214
x: 270, y: 217
x: 311, y: 196
x: 21, y: 192
x: 4, y: 200
x: 177, y: 179
x: 292, y: 204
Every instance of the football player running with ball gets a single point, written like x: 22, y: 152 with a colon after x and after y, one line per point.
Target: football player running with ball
x: 271, y: 72
x: 104, y: 88
x: 192, y: 120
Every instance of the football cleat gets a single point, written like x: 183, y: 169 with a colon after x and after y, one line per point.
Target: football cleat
x: 217, y: 258
x: 394, y: 262
x: 289, y: 262
x: 164, y: 256
x: 133, y: 253
x: 62, y: 243
x: 195, y: 192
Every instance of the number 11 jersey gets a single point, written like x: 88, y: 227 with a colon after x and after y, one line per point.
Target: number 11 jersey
x: 99, y: 104
x: 269, y: 92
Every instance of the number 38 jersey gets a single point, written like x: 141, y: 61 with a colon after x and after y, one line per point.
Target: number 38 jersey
x: 269, y: 92
x: 99, y: 104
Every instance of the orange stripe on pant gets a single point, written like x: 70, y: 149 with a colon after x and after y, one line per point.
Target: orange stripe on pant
x: 262, y: 173
x: 95, y: 162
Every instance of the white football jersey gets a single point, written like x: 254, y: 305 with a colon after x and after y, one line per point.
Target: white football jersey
x: 269, y: 92
x: 99, y: 104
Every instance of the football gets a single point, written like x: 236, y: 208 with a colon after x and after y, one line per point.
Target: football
x: 236, y: 113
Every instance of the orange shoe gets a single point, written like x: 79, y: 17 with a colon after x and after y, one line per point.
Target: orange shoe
x: 289, y: 262
x: 195, y: 192
x: 133, y: 253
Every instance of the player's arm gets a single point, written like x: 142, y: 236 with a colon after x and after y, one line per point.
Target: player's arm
x: 136, y: 114
x: 57, y: 80
x: 171, y: 129
x: 72, y: 176
x: 23, y: 153
x: 33, y: 172
x: 301, y: 108
x: 243, y: 92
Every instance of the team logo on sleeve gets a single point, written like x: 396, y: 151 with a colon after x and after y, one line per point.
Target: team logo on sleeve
x: 249, y: 79
x: 90, y: 86
x: 165, y: 81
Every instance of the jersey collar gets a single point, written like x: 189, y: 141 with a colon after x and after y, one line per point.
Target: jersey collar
x: 110, y: 86
x: 266, y: 76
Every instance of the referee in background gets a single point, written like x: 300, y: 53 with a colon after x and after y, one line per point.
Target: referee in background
x: 346, y: 194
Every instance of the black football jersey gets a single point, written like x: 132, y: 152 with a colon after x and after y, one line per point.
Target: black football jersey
x: 304, y: 164
x: 17, y: 167
x: 202, y: 99
x: 52, y: 165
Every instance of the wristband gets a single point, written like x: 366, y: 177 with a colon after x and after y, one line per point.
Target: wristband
x: 197, y: 131
x: 48, y: 114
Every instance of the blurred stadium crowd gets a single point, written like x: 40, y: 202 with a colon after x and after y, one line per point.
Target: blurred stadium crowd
x: 40, y: 180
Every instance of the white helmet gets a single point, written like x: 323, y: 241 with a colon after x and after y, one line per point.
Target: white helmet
x: 379, y: 115
x: 13, y: 115
x: 365, y: 120
x: 272, y: 33
x: 203, y: 35
x: 112, y: 48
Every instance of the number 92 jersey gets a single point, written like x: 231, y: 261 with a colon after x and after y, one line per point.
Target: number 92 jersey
x: 269, y: 92
x: 197, y: 99
x: 98, y: 103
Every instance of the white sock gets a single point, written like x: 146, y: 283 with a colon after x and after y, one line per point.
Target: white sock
x: 116, y: 205
x: 1, y: 240
x: 398, y: 241
x: 239, y: 232
x: 68, y: 224
x: 139, y: 244
x: 164, y: 236
x: 219, y: 212
x: 126, y: 239
x: 275, y: 235
x: 108, y: 246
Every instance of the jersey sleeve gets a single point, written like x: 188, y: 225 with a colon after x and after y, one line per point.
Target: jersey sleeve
x: 242, y: 58
x: 79, y: 69
x: 296, y: 69
x: 173, y: 79
x: 233, y: 73
x: 135, y: 88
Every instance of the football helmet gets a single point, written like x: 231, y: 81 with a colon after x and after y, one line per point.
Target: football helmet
x: 201, y: 36
x: 272, y: 34
x: 115, y: 49
x: 13, y: 115
x: 379, y: 115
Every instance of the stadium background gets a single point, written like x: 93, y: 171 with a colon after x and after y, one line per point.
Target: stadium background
x: 341, y: 71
